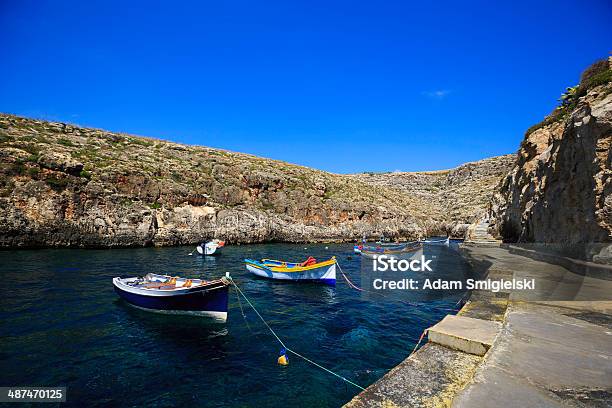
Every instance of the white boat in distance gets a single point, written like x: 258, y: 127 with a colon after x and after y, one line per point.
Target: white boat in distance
x: 407, y: 249
x: 210, y: 248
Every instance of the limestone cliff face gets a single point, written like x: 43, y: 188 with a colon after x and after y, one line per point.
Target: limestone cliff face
x: 559, y: 189
x: 460, y: 195
x: 63, y: 185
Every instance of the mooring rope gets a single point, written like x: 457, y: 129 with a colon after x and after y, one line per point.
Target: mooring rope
x: 323, y: 368
x: 287, y: 348
x: 352, y: 285
x: 348, y: 281
x: 242, y: 312
x: 418, y: 342
x: 260, y: 316
x: 240, y: 304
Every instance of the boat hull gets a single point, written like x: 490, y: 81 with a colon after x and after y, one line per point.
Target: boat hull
x: 324, y: 274
x: 389, y: 247
x: 445, y: 241
x: 201, y: 301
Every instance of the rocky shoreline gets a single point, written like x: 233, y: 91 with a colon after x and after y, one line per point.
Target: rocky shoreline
x: 66, y: 186
x: 63, y: 185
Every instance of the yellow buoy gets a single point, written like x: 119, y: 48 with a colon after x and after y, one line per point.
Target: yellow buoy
x: 282, y: 357
x: 283, y: 360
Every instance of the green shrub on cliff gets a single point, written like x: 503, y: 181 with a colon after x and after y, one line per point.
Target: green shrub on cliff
x: 33, y: 172
x: 65, y: 142
x: 33, y: 157
x: 569, y: 95
x: 6, y: 186
x: 33, y: 149
x: 57, y: 184
x: 597, y: 74
x: 596, y: 68
x: 601, y: 78
x: 141, y: 142
x: 17, y: 169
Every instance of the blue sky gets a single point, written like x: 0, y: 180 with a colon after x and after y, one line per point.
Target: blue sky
x: 339, y: 86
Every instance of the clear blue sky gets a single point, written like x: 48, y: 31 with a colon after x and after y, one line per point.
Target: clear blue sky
x: 335, y: 85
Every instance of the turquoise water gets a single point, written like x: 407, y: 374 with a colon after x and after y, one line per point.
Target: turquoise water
x: 63, y: 325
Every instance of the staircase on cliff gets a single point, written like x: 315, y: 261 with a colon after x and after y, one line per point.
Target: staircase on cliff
x: 478, y: 234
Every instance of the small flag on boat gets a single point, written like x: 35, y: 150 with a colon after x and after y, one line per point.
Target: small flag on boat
x: 282, y: 357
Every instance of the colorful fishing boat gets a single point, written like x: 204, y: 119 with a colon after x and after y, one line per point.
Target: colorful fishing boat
x: 210, y: 248
x: 359, y: 245
x: 390, y: 249
x: 309, y: 271
x: 175, y: 295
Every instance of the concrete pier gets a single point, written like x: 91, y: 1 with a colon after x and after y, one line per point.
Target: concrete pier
x: 472, y: 336
x: 548, y: 348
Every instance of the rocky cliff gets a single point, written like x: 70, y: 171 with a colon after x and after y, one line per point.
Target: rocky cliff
x: 460, y: 196
x: 64, y: 185
x: 559, y: 189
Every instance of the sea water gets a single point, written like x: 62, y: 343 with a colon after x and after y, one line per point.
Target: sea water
x: 63, y: 325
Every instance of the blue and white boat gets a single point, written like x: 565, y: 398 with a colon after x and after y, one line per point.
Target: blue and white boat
x: 380, y: 246
x: 307, y: 271
x: 391, y: 250
x: 388, y: 246
x: 175, y: 295
x: 443, y: 241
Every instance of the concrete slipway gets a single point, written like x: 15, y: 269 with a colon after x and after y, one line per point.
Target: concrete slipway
x: 551, y: 347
